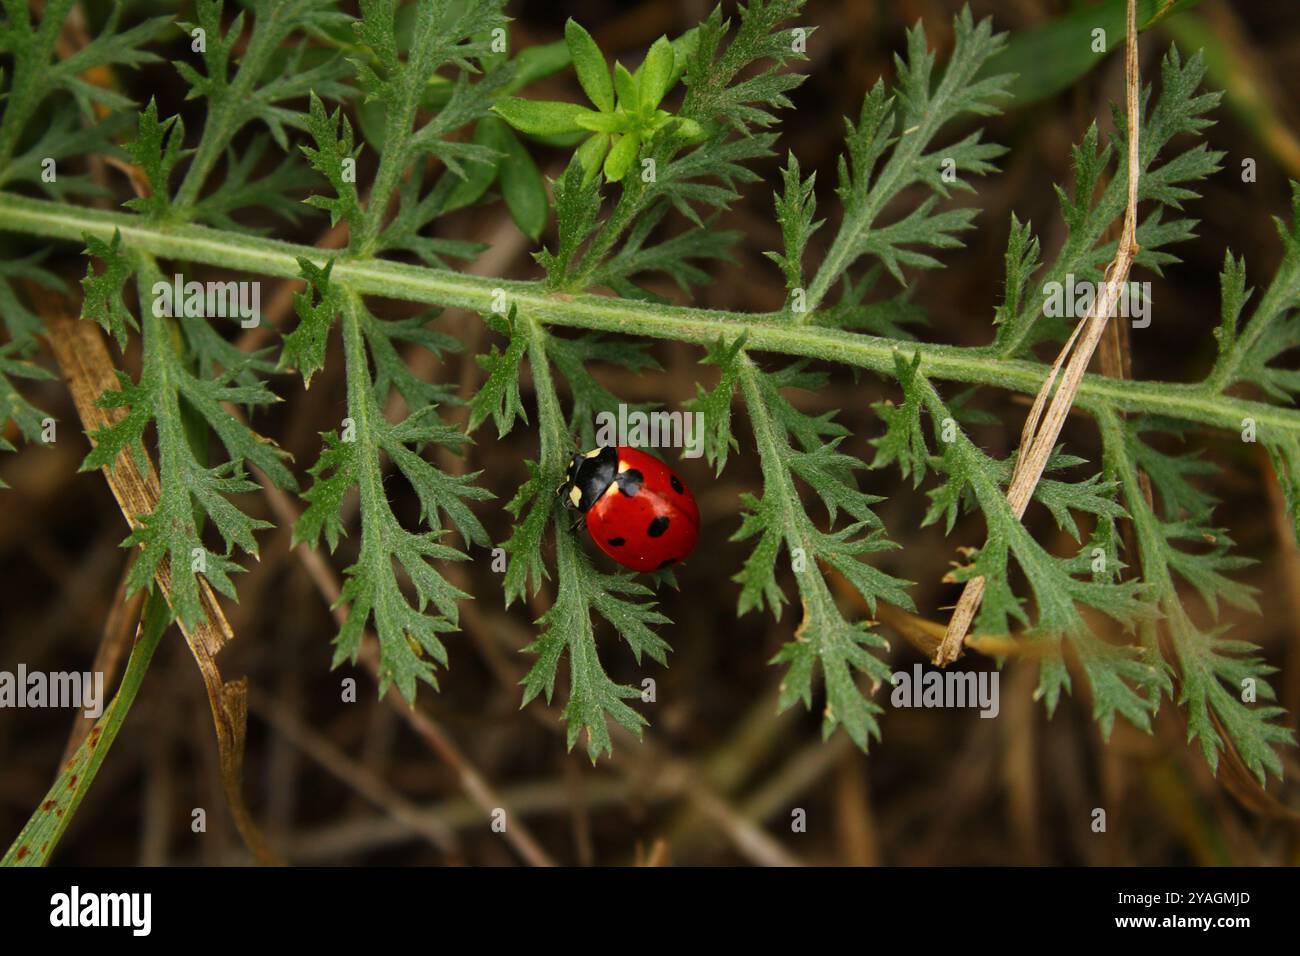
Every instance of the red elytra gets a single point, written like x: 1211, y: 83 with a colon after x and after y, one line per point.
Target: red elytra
x: 636, y: 508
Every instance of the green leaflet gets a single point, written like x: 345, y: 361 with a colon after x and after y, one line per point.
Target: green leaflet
x: 167, y: 388
x: 1252, y: 353
x: 442, y: 35
x: 795, y: 209
x: 397, y: 64
x: 825, y: 638
x: 270, y: 73
x: 408, y: 633
x: 22, y: 326
x: 156, y: 150
x: 589, y: 398
x: 567, y: 629
x: 316, y: 306
x: 499, y: 395
x: 334, y: 156
x: 13, y: 406
x: 1179, y: 109
x: 902, y: 127
x: 1220, y: 678
x: 577, y: 206
x: 627, y: 107
x: 715, y: 403
x: 40, y: 86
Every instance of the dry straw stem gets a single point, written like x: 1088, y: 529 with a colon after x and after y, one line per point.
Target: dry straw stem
x: 83, y: 359
x: 1043, y: 429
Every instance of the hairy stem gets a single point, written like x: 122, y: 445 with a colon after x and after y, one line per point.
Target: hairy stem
x: 223, y: 117
x: 553, y: 433
x: 769, y: 452
x: 397, y: 132
x: 28, y: 72
x: 630, y: 205
x: 1272, y: 308
x: 361, y: 406
x: 765, y: 332
x: 898, y: 172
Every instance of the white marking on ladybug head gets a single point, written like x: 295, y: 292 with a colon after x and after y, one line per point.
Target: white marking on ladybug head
x: 594, y: 452
x: 575, y: 495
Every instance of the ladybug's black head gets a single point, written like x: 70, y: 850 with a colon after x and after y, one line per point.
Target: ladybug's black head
x: 588, y: 477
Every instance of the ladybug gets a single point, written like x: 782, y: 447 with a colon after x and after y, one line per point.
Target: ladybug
x: 637, y: 510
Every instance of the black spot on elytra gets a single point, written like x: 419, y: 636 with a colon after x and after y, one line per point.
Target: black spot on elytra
x: 630, y: 481
x: 677, y: 485
x: 657, y: 527
x: 616, y: 542
x: 665, y: 562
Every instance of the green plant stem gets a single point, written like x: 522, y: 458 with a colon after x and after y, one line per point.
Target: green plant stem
x: 553, y: 432
x: 765, y: 332
x: 1272, y: 308
x: 778, y: 485
x: 769, y: 452
x: 222, y: 119
x: 360, y: 397
x: 397, y: 134
x: 897, y: 173
x: 375, y: 512
x: 33, y: 846
x: 1146, y: 531
x: 629, y: 207
x: 29, y: 72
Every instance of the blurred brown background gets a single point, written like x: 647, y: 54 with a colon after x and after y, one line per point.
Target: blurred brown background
x: 721, y: 772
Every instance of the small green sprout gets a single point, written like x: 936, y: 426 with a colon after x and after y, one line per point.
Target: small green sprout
x: 627, y: 109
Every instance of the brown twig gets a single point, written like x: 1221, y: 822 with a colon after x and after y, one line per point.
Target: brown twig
x: 340, y: 765
x: 855, y: 823
x: 1043, y: 428
x: 656, y: 856
x: 343, y: 839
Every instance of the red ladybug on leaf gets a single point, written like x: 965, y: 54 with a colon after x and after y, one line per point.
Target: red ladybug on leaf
x: 637, y: 510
